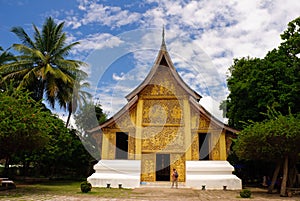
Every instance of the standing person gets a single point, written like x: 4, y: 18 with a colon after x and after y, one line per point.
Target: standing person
x: 174, y: 178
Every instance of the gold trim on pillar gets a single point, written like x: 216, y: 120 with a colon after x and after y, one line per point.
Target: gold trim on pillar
x: 138, y: 136
x: 222, y: 140
x: 148, y: 167
x: 187, y: 129
x: 105, y: 143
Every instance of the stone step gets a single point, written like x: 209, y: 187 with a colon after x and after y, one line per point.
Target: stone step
x: 161, y: 184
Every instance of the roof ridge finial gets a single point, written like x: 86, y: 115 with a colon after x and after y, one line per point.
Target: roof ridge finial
x: 163, y: 43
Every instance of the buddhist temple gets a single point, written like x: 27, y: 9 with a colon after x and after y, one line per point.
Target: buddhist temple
x: 162, y: 127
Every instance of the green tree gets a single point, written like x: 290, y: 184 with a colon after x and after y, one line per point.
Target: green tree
x: 291, y: 37
x: 274, y: 81
x: 242, y: 102
x: 88, y: 117
x: 64, y: 156
x: 6, y: 57
x: 275, y: 140
x: 79, y: 96
x: 23, y: 124
x: 291, y: 48
x: 37, y: 140
x: 41, y: 66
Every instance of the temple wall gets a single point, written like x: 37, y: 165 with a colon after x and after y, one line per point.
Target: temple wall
x: 160, y: 128
x: 163, y: 121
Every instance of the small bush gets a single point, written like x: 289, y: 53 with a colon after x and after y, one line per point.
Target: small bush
x: 85, y: 187
x: 245, y: 193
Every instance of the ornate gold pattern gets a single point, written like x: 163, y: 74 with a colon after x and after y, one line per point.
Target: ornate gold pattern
x: 159, y: 86
x: 195, y: 147
x: 131, y: 147
x: 124, y: 122
x: 148, y: 167
x: 178, y: 162
x: 111, y: 146
x: 163, y: 138
x: 204, y: 123
x: 216, y: 149
x: 194, y: 120
x: 162, y: 112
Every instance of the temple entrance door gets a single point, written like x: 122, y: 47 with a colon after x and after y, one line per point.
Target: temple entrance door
x: 121, y: 145
x: 204, y: 146
x: 162, y: 167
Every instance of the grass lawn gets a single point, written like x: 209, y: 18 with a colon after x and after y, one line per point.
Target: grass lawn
x: 65, y: 188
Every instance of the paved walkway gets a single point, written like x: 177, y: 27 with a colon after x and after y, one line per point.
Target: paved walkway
x: 207, y: 195
x: 165, y: 194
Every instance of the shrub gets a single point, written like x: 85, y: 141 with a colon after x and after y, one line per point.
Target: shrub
x: 85, y: 187
x: 245, y: 193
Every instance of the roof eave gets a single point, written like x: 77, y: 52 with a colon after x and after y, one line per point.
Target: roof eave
x: 114, y: 118
x: 201, y: 109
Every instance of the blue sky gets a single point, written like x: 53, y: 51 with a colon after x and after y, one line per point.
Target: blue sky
x: 120, y: 39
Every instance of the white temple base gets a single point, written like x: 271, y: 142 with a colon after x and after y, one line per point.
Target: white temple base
x: 115, y: 172
x: 214, y: 175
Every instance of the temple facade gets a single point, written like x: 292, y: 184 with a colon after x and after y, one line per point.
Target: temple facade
x: 162, y: 127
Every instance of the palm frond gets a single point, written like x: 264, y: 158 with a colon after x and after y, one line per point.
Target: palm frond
x: 22, y: 35
x: 38, y: 38
x: 58, y: 48
x: 64, y: 51
x: 6, y: 57
x: 43, y: 68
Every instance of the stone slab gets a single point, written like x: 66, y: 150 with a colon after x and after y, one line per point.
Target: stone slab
x: 214, y: 175
x: 115, y: 172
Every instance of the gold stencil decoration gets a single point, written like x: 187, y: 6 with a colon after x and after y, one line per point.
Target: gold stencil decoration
x: 204, y: 123
x: 194, y: 120
x: 162, y: 112
x: 159, y: 86
x: 176, y: 112
x: 158, y: 114
x: 125, y: 121
x: 195, y: 147
x: 178, y: 162
x: 131, y: 146
x: 216, y: 151
x: 148, y: 167
x: 162, y: 89
x: 162, y: 138
x: 111, y: 145
x: 133, y: 117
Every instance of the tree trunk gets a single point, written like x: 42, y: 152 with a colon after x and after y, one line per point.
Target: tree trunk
x: 292, y: 176
x: 292, y: 172
x: 6, y: 167
x: 70, y: 106
x: 284, y: 178
x: 274, y: 178
x: 68, y: 120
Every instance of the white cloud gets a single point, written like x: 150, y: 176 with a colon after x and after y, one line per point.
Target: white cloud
x: 93, y: 12
x: 221, y: 29
x: 98, y: 41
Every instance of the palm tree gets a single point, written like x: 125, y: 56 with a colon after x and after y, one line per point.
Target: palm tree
x: 79, y: 97
x: 41, y: 67
x: 6, y: 57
